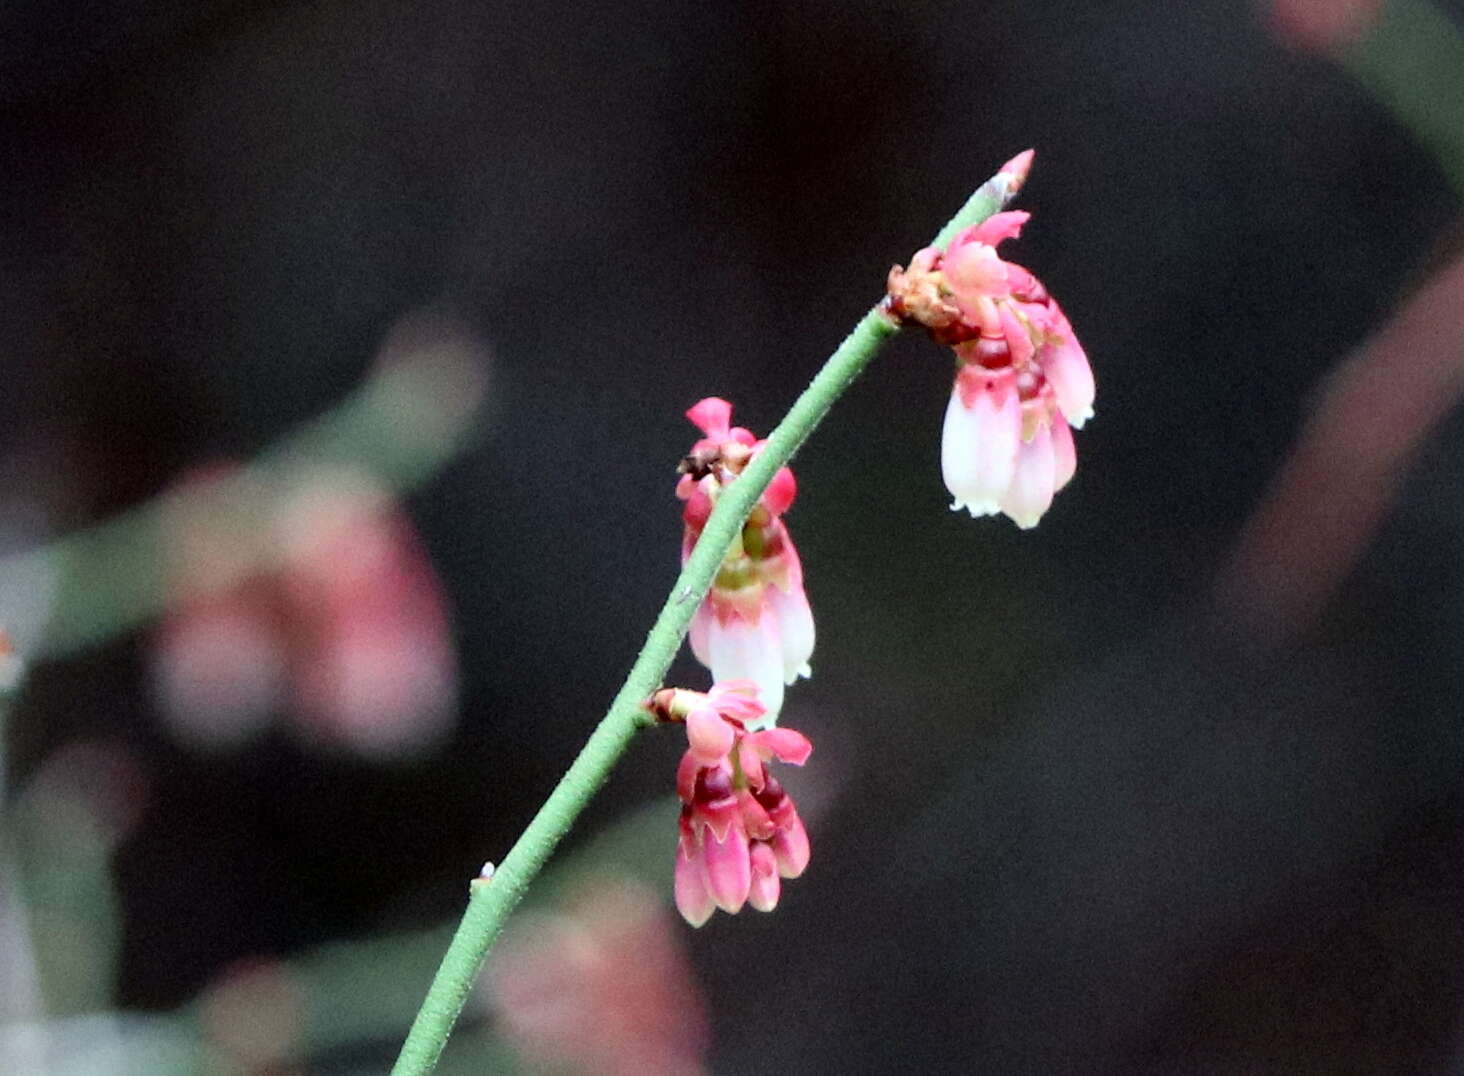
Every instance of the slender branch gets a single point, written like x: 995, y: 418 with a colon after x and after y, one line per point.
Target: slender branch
x: 491, y: 900
x: 1414, y: 63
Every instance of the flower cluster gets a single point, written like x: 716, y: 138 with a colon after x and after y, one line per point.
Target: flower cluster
x: 1022, y: 378
x: 740, y: 830
x: 1022, y: 384
x: 755, y: 623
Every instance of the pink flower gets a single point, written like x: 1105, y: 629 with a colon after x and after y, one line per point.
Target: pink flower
x: 330, y: 612
x: 1324, y: 26
x: 755, y: 623
x: 1022, y: 377
x: 740, y: 833
x: 600, y: 984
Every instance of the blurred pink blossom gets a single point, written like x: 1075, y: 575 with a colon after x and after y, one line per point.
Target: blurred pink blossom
x: 253, y: 1014
x: 321, y: 602
x: 1322, y: 25
x: 599, y: 987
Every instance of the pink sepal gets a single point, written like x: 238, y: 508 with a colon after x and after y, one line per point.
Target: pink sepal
x: 1017, y: 337
x: 686, y: 777
x: 712, y: 416
x: 708, y: 734
x: 994, y: 229
x: 737, y: 699
x: 719, y: 817
x: 974, y: 271
x: 785, y: 745
x: 781, y: 491
x: 751, y: 764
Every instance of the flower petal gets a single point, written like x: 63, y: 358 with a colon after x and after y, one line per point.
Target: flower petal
x: 978, y: 451
x: 1064, y: 455
x: 740, y: 650
x: 712, y: 416
x: 795, y: 630
x: 1066, y: 367
x: 764, y: 891
x: 790, y: 846
x: 786, y: 745
x: 1030, y: 494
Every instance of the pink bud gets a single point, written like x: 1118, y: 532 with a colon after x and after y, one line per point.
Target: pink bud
x: 693, y: 899
x: 1016, y: 170
x: 790, y: 846
x: 764, y: 891
x: 728, y: 871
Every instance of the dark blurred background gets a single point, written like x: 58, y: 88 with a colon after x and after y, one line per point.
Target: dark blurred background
x: 1070, y: 810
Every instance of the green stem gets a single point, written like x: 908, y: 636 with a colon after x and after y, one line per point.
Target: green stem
x: 1414, y: 63
x: 491, y: 901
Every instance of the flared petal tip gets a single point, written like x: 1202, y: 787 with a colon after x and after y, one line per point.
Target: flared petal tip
x: 1079, y: 420
x: 978, y: 509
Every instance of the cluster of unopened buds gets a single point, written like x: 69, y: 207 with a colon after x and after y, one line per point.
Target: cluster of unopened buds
x: 740, y: 830
x: 1022, y: 378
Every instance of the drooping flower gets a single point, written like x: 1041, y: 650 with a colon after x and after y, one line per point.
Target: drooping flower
x: 755, y: 622
x: 1022, y: 377
x: 740, y: 833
